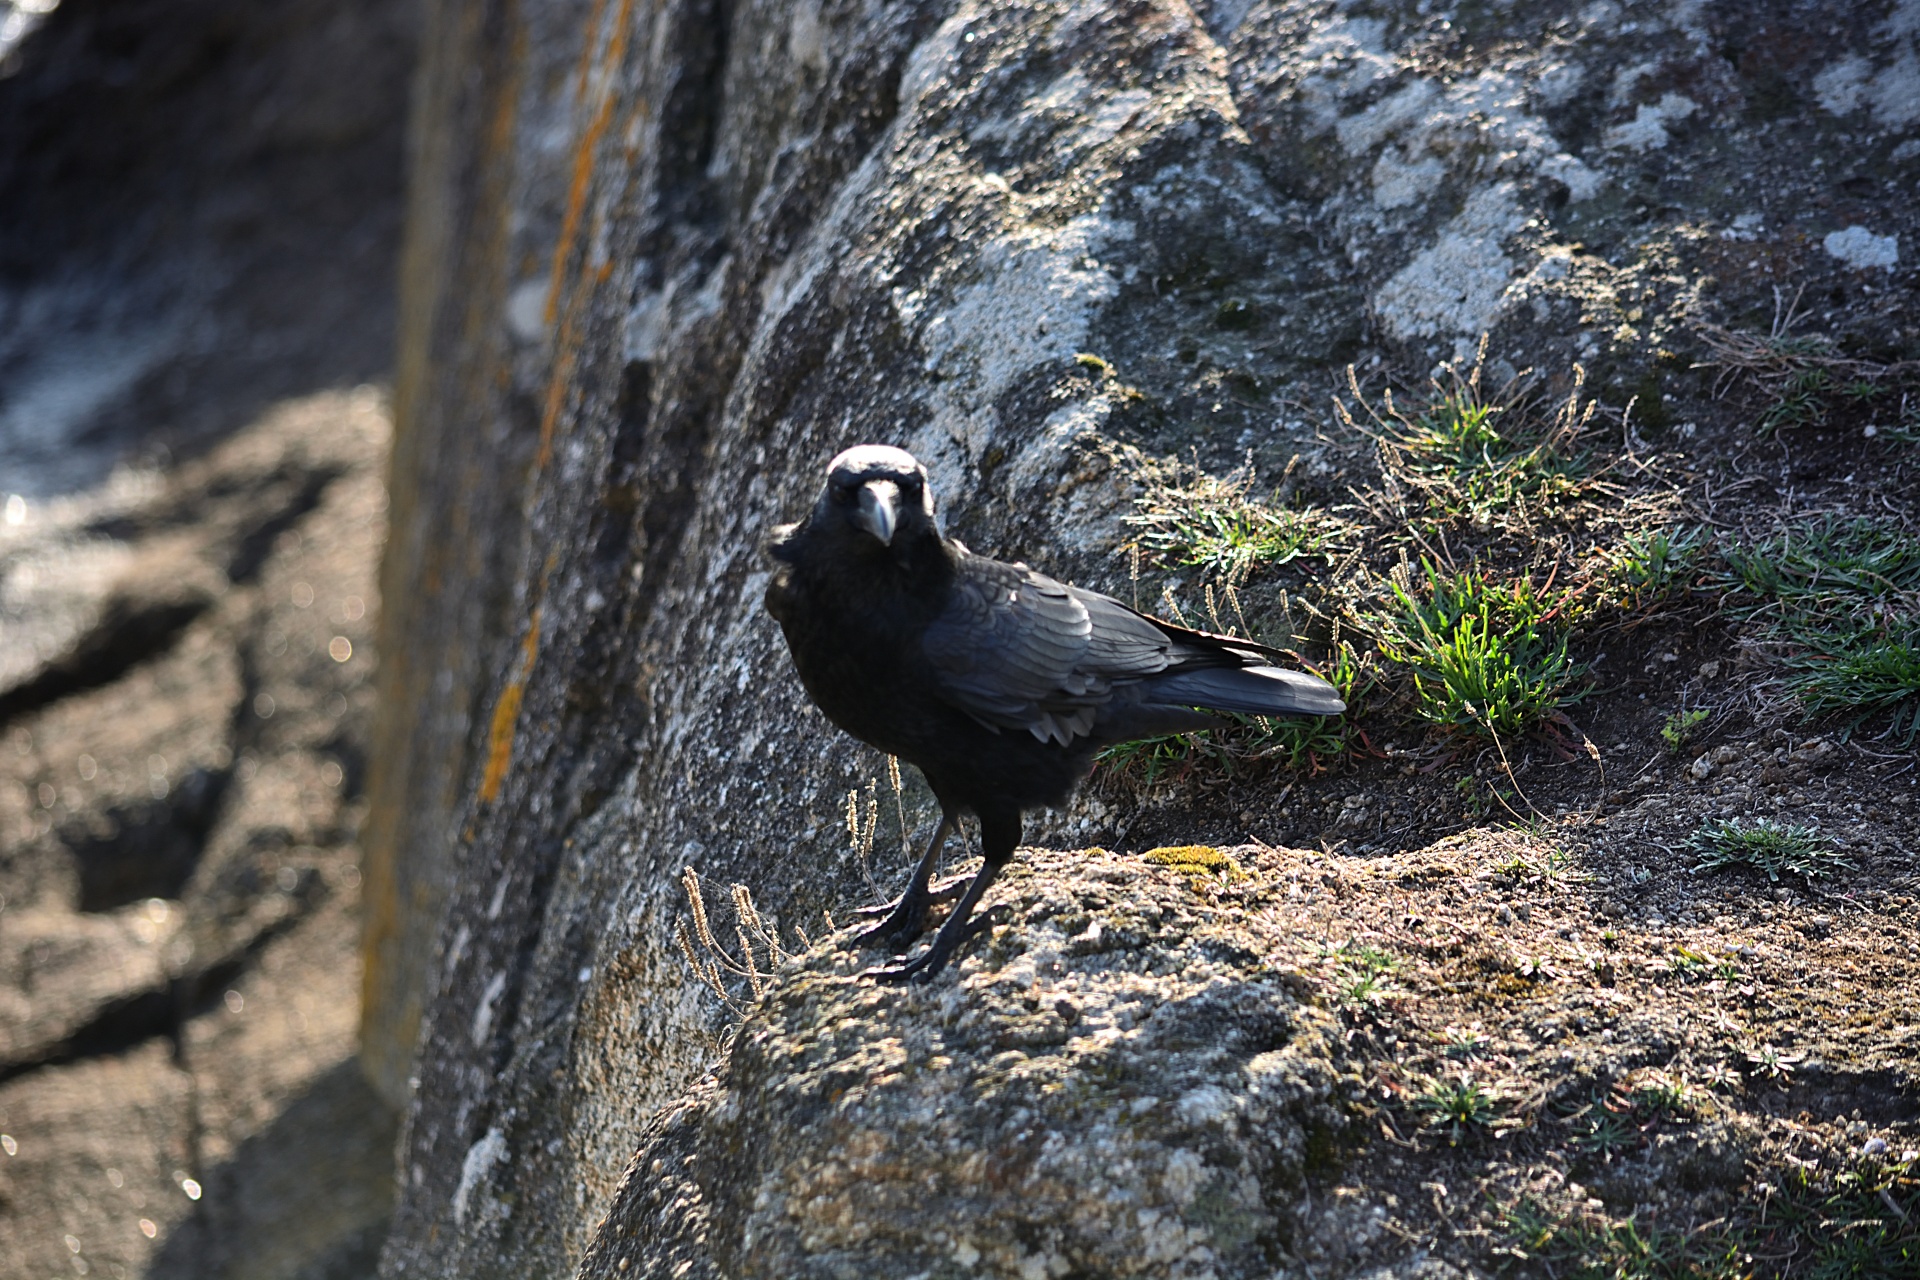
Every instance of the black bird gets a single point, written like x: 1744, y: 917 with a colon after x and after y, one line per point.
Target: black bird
x: 998, y: 683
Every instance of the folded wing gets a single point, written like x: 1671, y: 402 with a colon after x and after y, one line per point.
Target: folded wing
x: 1019, y: 651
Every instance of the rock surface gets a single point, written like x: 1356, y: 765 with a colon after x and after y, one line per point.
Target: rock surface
x: 660, y: 269
x: 178, y: 961
x: 195, y: 304
x: 1117, y: 1086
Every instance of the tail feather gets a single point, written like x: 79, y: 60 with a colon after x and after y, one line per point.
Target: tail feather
x: 1260, y: 691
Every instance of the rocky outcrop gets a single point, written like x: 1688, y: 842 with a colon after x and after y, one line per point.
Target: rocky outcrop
x: 178, y: 876
x: 1117, y: 1086
x: 662, y: 265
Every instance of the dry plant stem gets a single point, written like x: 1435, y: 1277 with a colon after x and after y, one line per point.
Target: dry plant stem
x: 1768, y: 359
x: 1506, y: 766
x: 899, y: 802
x: 750, y: 928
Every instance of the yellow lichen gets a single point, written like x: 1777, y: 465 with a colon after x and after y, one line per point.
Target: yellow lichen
x: 1197, y: 861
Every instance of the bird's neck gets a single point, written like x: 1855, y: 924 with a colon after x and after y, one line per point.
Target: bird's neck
x: 920, y: 567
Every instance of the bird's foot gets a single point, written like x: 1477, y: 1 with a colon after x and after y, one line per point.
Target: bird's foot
x: 924, y: 968
x: 945, y: 891
x: 905, y: 921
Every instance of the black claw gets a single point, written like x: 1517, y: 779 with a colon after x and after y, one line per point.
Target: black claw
x: 925, y: 968
x: 899, y: 975
x: 945, y: 891
x: 906, y: 920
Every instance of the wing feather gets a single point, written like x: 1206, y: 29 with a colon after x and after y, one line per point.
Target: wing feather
x: 1017, y: 650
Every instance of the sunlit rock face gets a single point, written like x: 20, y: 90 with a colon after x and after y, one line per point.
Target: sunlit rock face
x: 1106, y: 1090
x: 662, y: 266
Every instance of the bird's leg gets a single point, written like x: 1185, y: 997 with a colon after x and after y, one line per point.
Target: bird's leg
x: 945, y: 891
x: 998, y: 839
x: 907, y: 917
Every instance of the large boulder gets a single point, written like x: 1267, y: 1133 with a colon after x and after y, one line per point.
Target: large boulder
x: 663, y: 264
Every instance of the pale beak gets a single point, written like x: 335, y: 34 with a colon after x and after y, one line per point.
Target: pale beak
x: 878, y: 509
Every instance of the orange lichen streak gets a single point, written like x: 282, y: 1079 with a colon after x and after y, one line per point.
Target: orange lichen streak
x: 506, y: 715
x: 584, y: 157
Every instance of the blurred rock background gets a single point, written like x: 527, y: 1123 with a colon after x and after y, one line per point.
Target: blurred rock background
x: 197, y: 249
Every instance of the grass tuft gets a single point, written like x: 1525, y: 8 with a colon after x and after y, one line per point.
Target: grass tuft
x: 1801, y: 378
x: 1840, y: 602
x: 1591, y: 1245
x: 1649, y: 569
x: 1847, y: 1219
x: 1484, y: 657
x: 1361, y: 972
x: 1471, y: 454
x: 1187, y: 518
x: 1775, y: 848
x: 1459, y: 1107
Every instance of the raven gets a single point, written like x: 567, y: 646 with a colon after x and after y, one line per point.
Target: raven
x: 998, y: 683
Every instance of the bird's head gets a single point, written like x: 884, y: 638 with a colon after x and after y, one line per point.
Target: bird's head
x: 881, y: 492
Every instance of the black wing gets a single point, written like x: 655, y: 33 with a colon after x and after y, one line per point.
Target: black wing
x: 1017, y: 650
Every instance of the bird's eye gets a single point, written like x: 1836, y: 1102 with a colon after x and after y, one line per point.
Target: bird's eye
x: 842, y: 491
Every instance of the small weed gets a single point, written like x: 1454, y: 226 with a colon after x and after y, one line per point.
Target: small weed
x: 1587, y: 1245
x: 1551, y: 865
x: 1815, y: 1220
x: 1800, y: 400
x: 1696, y: 966
x: 1621, y: 1119
x: 1839, y: 600
x: 1478, y: 799
x: 1662, y: 1095
x: 1721, y: 1077
x: 1464, y: 1043
x: 1484, y: 659
x: 1152, y: 760
x: 1801, y: 378
x: 1361, y: 972
x: 1650, y: 569
x: 1471, y: 454
x: 1860, y: 1221
x: 1606, y: 1130
x: 1678, y: 730
x: 1769, y: 846
x: 1534, y: 968
x: 1459, y: 1107
x: 1189, y: 519
x: 1771, y: 1064
x: 1905, y: 429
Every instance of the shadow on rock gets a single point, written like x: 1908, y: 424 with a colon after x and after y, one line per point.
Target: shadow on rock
x: 320, y: 1214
